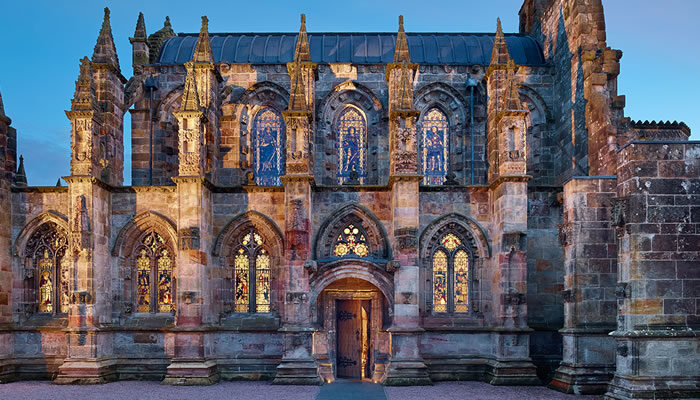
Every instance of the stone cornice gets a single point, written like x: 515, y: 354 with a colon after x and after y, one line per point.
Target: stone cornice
x: 90, y: 179
x: 404, y: 178
x: 508, y: 178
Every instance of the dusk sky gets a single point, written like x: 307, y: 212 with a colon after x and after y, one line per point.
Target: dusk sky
x: 41, y: 43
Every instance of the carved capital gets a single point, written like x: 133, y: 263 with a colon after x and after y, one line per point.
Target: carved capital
x: 311, y: 266
x: 406, y: 238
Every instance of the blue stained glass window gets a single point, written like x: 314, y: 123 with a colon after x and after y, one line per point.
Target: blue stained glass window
x: 268, y: 144
x: 434, y: 147
x: 352, y: 132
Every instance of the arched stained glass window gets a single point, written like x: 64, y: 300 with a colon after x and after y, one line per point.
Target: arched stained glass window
x: 351, y: 241
x: 154, y: 274
x: 352, y: 142
x: 47, y: 247
x: 450, y: 265
x: 251, y: 269
x: 268, y: 144
x: 434, y: 146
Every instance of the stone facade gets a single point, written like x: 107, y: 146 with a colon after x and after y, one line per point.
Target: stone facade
x: 491, y: 203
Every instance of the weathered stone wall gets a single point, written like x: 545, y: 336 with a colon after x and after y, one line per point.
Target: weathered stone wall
x: 657, y: 219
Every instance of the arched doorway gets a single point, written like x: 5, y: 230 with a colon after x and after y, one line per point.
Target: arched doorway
x: 352, y: 343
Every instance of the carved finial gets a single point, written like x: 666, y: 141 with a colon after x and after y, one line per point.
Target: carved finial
x: 21, y: 176
x: 190, y: 98
x: 301, y: 51
x: 156, y: 40
x: 140, y: 32
x: 84, y: 97
x: 511, y: 100
x: 2, y: 107
x: 401, y: 50
x: 105, y: 51
x: 499, y: 54
x: 202, y: 50
x: 167, y: 22
x: 58, y: 183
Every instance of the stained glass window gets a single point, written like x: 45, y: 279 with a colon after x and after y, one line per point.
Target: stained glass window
x: 440, y: 281
x: 435, y: 145
x: 351, y: 242
x: 154, y: 275
x: 352, y: 131
x: 461, y: 277
x: 251, y: 270
x: 47, y: 247
x: 450, y: 276
x: 269, y: 138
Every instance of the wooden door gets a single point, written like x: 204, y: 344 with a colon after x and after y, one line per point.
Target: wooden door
x: 349, y: 325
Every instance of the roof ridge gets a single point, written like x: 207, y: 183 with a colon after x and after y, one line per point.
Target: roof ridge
x: 516, y: 34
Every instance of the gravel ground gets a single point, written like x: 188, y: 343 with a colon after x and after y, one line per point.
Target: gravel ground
x: 478, y: 391
x: 139, y: 390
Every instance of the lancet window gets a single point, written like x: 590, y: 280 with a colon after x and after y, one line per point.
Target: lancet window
x: 155, y: 277
x: 434, y: 147
x: 450, y: 276
x: 46, y: 248
x: 251, y: 270
x: 351, y: 128
x: 268, y: 145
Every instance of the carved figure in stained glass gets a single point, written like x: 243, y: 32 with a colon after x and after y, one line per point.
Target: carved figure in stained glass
x: 268, y: 140
x: 450, y: 276
x: 351, y: 145
x: 47, y: 247
x: 154, y: 275
x: 435, y: 147
x: 251, y: 275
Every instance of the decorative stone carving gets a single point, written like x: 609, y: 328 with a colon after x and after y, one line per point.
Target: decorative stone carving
x: 297, y: 297
x: 406, y: 238
x: 620, y: 214
x: 82, y: 239
x: 189, y: 238
x: 569, y: 295
x: 28, y: 273
x: 127, y: 307
x: 311, y: 266
x: 190, y: 297
x: 81, y: 298
x: 513, y: 299
x: 451, y: 179
x: 250, y: 178
x: 393, y: 266
x: 622, y: 290
x: 566, y: 231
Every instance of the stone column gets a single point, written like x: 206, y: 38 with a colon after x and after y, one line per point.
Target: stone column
x: 657, y: 219
x: 194, y: 296
x: 590, y: 253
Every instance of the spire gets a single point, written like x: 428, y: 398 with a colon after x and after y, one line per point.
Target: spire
x: 84, y: 97
x: 202, y: 50
x: 105, y: 51
x: 58, y: 183
x: 302, y: 52
x: 511, y: 99
x: 401, y: 49
x: 405, y: 101
x: 156, y: 40
x: 190, y: 98
x: 140, y: 33
x: 499, y: 54
x: 21, y: 176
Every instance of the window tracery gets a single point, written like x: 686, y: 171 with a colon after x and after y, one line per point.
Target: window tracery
x: 450, y: 276
x: 269, y: 138
x: 351, y: 241
x: 352, y: 137
x: 435, y: 147
x: 47, y: 248
x: 154, y: 275
x: 251, y: 269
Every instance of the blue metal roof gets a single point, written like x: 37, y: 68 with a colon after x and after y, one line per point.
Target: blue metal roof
x: 355, y: 48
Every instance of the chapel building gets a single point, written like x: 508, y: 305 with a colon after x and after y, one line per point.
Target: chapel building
x: 399, y: 207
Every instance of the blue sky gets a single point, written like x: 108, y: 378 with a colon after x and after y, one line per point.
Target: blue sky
x: 41, y: 43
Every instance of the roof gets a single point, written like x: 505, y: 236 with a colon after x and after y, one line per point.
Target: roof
x: 355, y: 48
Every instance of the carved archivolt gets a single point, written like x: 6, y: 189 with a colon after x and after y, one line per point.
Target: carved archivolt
x: 346, y: 94
x: 356, y: 215
x: 353, y: 269
x: 467, y: 227
x: 133, y: 231
x: 19, y: 248
x: 240, y: 224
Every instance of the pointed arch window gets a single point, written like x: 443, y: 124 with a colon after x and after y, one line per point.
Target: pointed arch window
x: 450, y: 276
x: 351, y: 129
x: 268, y: 145
x: 434, y: 146
x: 251, y: 270
x: 351, y: 242
x: 155, y: 277
x: 47, y: 248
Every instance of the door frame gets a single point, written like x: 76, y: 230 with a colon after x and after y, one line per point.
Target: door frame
x: 331, y: 324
